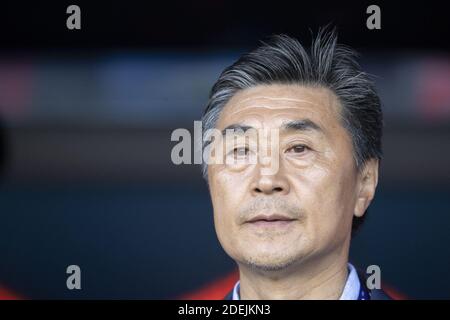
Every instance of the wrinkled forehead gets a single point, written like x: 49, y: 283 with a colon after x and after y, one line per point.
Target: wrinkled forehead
x: 271, y: 105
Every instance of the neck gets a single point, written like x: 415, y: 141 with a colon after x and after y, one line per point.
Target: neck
x: 315, y: 278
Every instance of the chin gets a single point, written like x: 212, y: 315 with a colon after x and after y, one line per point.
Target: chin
x: 276, y: 247
x: 269, y: 265
x: 273, y: 259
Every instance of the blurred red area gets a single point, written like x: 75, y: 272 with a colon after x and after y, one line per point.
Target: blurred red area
x: 215, y: 290
x: 433, y: 90
x: 6, y: 294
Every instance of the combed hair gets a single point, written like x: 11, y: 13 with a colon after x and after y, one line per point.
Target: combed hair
x: 284, y: 60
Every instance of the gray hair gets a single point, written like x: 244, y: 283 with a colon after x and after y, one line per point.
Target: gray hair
x: 283, y: 60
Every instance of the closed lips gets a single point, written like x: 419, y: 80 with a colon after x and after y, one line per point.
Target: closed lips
x: 269, y: 218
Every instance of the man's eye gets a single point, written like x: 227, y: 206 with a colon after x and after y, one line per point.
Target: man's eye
x: 298, y: 149
x: 240, y: 152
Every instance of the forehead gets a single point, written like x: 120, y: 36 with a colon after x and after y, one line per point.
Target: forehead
x: 271, y: 105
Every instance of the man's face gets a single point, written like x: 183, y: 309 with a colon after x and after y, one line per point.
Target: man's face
x: 305, y: 207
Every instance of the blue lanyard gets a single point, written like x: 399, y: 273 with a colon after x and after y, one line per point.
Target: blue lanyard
x: 364, y: 294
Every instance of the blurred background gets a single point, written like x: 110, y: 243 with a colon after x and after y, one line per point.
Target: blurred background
x: 86, y: 118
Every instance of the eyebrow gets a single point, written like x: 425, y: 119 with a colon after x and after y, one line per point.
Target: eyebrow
x: 292, y: 125
x: 301, y: 125
x: 237, y: 127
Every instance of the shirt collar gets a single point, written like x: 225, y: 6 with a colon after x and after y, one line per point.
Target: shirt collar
x: 350, y: 292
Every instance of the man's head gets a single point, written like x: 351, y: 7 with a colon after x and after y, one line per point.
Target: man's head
x: 328, y: 121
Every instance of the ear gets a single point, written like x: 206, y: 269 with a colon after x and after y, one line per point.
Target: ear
x: 367, y: 183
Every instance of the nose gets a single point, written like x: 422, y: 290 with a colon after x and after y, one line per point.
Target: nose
x: 270, y: 185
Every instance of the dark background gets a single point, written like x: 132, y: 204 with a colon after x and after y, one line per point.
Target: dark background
x: 87, y: 117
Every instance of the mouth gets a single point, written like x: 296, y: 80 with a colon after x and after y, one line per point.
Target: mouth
x: 272, y: 220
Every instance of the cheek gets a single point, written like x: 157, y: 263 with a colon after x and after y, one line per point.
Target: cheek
x: 226, y: 195
x: 327, y: 193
